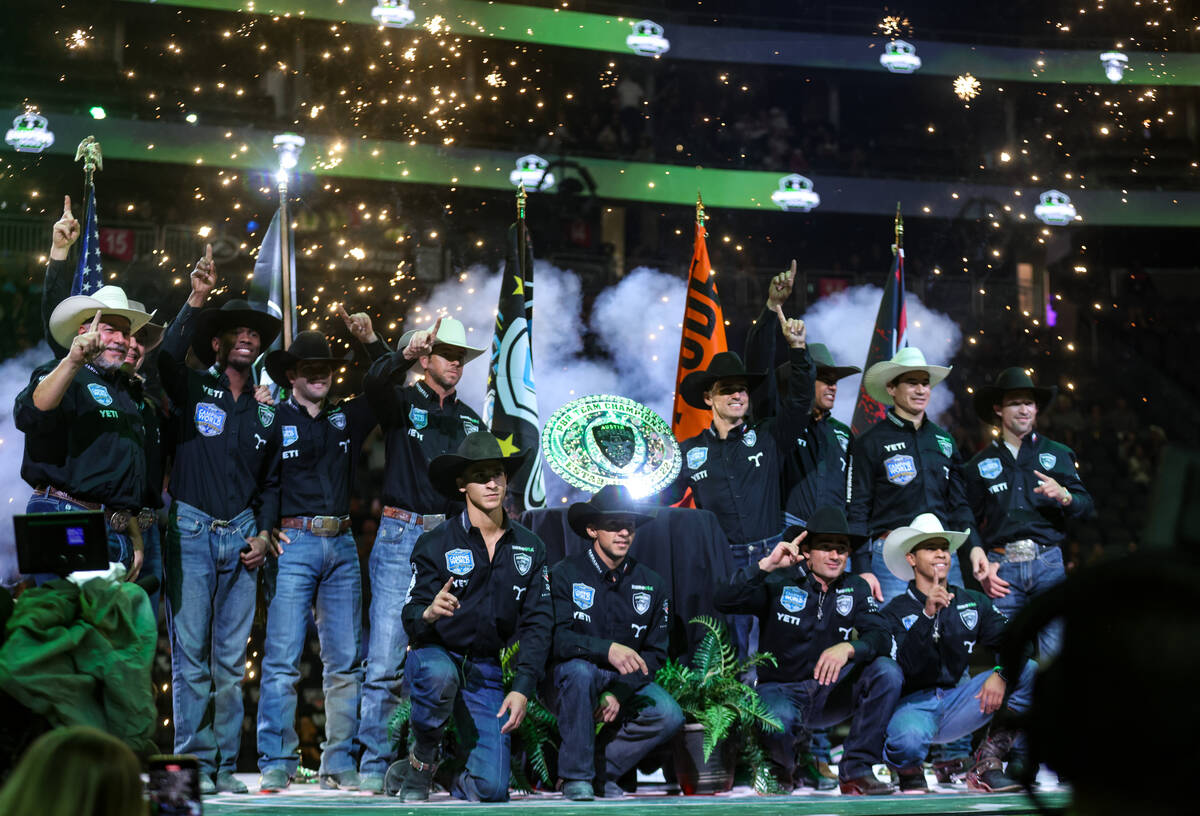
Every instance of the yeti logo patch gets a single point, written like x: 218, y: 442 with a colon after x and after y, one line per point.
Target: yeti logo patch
x: 210, y: 420
x: 1047, y: 460
x: 100, y: 393
x: 583, y: 595
x: 460, y: 562
x: 900, y: 469
x: 419, y: 417
x: 522, y: 561
x: 290, y: 435
x: 697, y: 457
x: 793, y: 599
x: 990, y: 468
x: 338, y: 420
x: 641, y: 602
x: 844, y: 605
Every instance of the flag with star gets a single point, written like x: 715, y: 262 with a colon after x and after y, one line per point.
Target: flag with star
x: 89, y: 274
x: 890, y: 335
x: 510, y: 406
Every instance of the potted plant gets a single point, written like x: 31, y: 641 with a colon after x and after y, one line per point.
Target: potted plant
x: 721, y: 712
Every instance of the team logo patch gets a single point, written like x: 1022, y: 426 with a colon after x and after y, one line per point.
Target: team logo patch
x: 419, y: 417
x: 460, y: 561
x: 793, y: 598
x: 522, y: 561
x: 210, y: 420
x: 844, y: 605
x: 641, y: 602
x: 843, y: 439
x: 100, y: 393
x: 583, y: 595
x: 908, y: 621
x: 946, y: 444
x: 969, y: 617
x: 750, y: 439
x: 900, y: 469
x: 990, y: 468
x: 266, y: 415
x: 1047, y: 460
x: 697, y: 457
x: 469, y: 426
x: 290, y: 435
x: 338, y: 421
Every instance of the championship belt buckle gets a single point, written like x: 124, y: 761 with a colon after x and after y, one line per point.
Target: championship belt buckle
x: 602, y: 439
x: 1019, y: 551
x: 145, y: 518
x: 118, y: 520
x: 326, y: 525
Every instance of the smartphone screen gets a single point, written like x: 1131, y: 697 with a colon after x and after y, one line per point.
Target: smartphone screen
x: 174, y: 788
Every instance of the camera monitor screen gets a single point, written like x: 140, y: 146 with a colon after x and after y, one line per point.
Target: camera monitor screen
x: 61, y: 543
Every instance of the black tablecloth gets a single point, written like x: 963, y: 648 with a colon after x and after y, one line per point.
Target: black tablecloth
x: 685, y: 546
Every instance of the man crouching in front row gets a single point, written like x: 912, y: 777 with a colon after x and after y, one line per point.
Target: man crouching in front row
x: 478, y: 580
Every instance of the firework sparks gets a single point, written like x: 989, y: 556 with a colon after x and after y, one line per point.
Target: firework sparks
x: 966, y: 87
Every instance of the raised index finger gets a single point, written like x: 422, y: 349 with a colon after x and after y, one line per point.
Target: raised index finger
x: 448, y: 586
x: 67, y: 207
x: 208, y: 252
x: 792, y: 271
x: 95, y: 322
x: 1041, y: 475
x: 436, y: 328
x: 342, y: 311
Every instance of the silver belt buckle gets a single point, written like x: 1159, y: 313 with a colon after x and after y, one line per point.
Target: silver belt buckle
x: 1018, y: 551
x: 118, y: 520
x: 326, y: 525
x: 432, y: 520
x: 145, y: 518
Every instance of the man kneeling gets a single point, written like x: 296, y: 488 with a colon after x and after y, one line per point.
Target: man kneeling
x: 610, y: 636
x: 479, y: 580
x: 806, y: 618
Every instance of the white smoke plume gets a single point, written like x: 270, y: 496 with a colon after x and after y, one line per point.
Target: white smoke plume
x: 844, y: 322
x: 14, y: 376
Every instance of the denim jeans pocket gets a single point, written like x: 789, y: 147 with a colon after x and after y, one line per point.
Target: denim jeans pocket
x: 188, y: 527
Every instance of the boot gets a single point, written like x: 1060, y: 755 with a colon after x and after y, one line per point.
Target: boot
x: 948, y: 771
x: 912, y: 779
x: 987, y: 775
x: 418, y: 780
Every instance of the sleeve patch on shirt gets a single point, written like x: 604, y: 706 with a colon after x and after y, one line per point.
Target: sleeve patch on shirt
x: 266, y: 415
x: 843, y: 439
x: 900, y: 469
x: 750, y: 439
x: 210, y: 420
x: 460, y: 561
x: 969, y: 617
x: 583, y: 595
x: 100, y: 393
x: 908, y: 621
x: 845, y: 604
x: 641, y: 602
x: 946, y: 444
x: 990, y: 468
x: 469, y: 425
x: 793, y: 599
x: 696, y: 457
x: 290, y: 435
x: 523, y: 562
x: 337, y: 420
x: 1047, y: 460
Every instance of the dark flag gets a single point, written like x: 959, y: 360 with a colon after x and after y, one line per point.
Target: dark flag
x: 890, y: 335
x: 89, y: 274
x: 266, y: 287
x: 510, y: 406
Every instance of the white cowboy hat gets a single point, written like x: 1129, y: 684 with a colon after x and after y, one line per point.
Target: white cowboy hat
x: 450, y: 333
x: 76, y: 310
x: 152, y: 333
x: 902, y: 540
x: 908, y: 358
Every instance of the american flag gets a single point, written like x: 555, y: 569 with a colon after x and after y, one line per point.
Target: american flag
x: 89, y: 275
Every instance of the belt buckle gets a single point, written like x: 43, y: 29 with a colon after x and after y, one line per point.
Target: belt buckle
x: 216, y: 524
x: 325, y: 525
x: 1019, y: 551
x: 432, y: 520
x: 118, y: 520
x: 145, y: 518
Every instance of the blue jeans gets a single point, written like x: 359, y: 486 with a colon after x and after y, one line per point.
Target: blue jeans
x: 321, y: 573
x: 943, y: 715
x: 390, y: 569
x: 120, y: 548
x: 646, y: 720
x: 445, y: 684
x: 743, y: 629
x: 893, y: 586
x: 210, y: 606
x: 866, y: 694
x: 1026, y: 580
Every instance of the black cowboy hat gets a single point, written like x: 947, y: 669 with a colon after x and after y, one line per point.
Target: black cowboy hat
x: 233, y: 313
x: 826, y: 520
x: 1010, y: 379
x: 479, y: 446
x: 726, y: 365
x: 308, y: 345
x: 822, y: 360
x: 611, y: 501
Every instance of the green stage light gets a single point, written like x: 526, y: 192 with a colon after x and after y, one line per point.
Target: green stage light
x: 97, y: 112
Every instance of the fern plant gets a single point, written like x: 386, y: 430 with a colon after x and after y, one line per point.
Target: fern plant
x: 710, y: 692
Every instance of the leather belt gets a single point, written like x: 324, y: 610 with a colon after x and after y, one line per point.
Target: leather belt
x: 117, y: 520
x: 429, y: 521
x: 317, y: 525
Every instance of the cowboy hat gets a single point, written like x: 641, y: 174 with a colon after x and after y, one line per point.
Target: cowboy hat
x: 611, y: 501
x: 479, y: 446
x: 901, y: 541
x: 826, y: 520
x: 232, y: 314
x: 308, y: 345
x: 1010, y: 379
x: 725, y: 365
x: 907, y: 359
x: 76, y: 310
x: 152, y: 333
x: 450, y: 333
x: 822, y: 360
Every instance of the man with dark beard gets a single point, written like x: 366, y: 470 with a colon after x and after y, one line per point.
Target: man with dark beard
x: 225, y: 484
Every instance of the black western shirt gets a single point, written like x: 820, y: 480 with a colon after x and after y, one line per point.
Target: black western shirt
x: 500, y: 599
x: 595, y: 607
x: 154, y: 418
x: 738, y: 477
x: 1000, y: 491
x: 227, y: 449
x: 798, y: 619
x: 317, y: 455
x: 417, y: 426
x: 934, y: 652
x: 90, y: 445
x: 899, y: 471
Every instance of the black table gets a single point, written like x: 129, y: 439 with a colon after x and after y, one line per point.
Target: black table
x: 685, y: 546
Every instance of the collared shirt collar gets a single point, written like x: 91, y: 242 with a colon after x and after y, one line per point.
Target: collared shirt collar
x: 901, y: 422
x: 505, y: 524
x: 611, y: 577
x: 914, y: 593
x: 431, y: 395
x: 738, y: 430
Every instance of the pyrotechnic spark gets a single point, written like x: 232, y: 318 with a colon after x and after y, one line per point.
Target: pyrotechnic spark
x: 966, y: 87
x: 895, y: 25
x: 78, y: 39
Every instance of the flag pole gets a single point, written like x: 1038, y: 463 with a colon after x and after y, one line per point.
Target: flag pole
x: 700, y: 215
x: 899, y: 226
x: 521, y: 197
x: 285, y: 261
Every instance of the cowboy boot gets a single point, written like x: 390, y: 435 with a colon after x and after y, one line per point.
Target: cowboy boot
x: 987, y: 775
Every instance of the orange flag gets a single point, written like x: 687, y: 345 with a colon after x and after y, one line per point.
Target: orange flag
x: 703, y: 334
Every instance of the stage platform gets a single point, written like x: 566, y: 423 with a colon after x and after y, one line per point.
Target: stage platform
x: 310, y: 799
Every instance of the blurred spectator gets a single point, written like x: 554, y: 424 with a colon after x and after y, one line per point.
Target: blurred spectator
x: 77, y: 771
